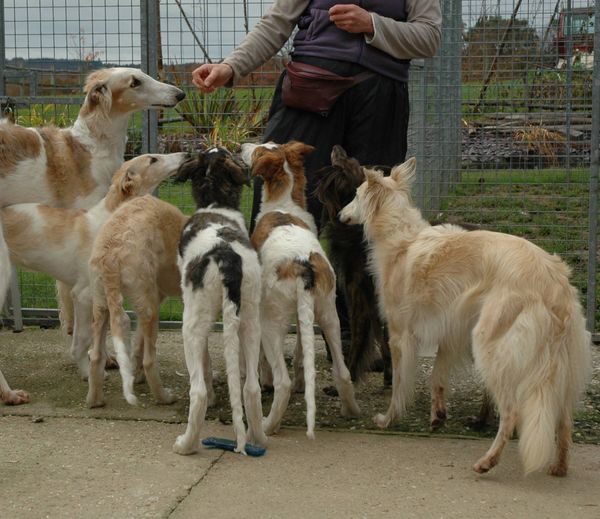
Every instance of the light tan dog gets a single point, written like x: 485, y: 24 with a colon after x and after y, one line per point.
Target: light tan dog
x: 134, y: 257
x: 502, y: 295
x: 58, y: 241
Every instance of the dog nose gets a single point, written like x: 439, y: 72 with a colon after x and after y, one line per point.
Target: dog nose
x: 180, y: 96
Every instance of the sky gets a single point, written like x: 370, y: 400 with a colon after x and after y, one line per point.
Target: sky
x: 110, y: 29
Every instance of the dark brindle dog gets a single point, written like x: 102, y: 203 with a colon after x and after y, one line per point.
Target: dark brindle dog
x: 348, y: 255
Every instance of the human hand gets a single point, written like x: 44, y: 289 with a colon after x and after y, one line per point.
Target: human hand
x: 210, y: 76
x: 351, y: 18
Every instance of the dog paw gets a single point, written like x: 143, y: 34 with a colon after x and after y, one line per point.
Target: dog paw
x: 132, y: 400
x: 310, y: 435
x: 166, y: 397
x: 350, y: 410
x: 381, y: 421
x: 15, y: 397
x: 484, y: 465
x: 269, y: 427
x: 93, y: 402
x: 259, y: 439
x: 558, y: 469
x: 184, y: 447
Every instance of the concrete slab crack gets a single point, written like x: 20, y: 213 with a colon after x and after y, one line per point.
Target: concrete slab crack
x: 194, y: 485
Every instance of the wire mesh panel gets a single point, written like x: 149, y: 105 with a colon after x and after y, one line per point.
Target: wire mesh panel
x: 501, y: 119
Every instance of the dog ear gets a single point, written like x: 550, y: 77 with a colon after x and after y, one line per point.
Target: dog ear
x: 338, y: 154
x: 265, y: 163
x: 190, y: 168
x: 129, y: 181
x: 299, y: 148
x: 238, y: 174
x: 405, y: 174
x: 98, y: 96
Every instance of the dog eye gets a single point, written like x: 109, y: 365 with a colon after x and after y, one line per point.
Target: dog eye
x: 153, y: 160
x: 135, y: 82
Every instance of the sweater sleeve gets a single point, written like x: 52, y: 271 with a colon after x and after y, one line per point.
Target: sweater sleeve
x: 418, y: 37
x: 266, y: 38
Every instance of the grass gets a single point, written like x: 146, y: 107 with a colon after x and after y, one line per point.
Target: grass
x: 543, y: 206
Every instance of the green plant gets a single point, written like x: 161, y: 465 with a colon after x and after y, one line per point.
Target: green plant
x: 42, y: 115
x: 226, y: 117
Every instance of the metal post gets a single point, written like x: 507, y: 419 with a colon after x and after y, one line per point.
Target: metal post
x: 150, y: 13
x: 594, y: 164
x: 15, y: 299
x: 2, y: 50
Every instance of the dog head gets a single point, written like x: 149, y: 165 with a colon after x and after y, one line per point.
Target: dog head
x: 281, y: 166
x: 143, y: 174
x: 216, y: 178
x: 337, y: 183
x: 125, y: 90
x: 378, y: 191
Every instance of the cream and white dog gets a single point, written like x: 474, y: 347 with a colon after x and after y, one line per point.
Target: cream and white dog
x: 495, y: 296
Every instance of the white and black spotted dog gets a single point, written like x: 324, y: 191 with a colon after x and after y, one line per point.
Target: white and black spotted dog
x: 220, y: 272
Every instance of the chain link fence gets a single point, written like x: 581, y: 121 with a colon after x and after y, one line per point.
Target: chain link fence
x: 505, y: 120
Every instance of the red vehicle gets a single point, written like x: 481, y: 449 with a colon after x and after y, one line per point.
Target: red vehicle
x: 578, y: 25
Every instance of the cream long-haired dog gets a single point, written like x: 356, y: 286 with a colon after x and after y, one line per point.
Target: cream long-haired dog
x: 502, y: 295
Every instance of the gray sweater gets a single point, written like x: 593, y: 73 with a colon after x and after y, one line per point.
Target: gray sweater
x: 418, y: 37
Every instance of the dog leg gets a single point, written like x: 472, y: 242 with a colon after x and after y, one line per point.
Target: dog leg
x: 265, y: 373
x: 208, y: 374
x: 138, y: 356
x: 148, y: 323
x: 274, y: 326
x: 508, y: 422
x: 231, y: 339
x: 404, y: 360
x: 250, y: 340
x: 11, y: 396
x: 195, y: 343
x: 439, y: 380
x: 66, y: 310
x: 563, y: 437
x: 298, y: 384
x: 82, y: 330
x: 95, y: 396
x: 330, y: 324
x: 384, y: 343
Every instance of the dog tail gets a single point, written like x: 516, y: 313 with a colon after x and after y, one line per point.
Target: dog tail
x: 4, y: 267
x: 555, y: 389
x: 306, y: 319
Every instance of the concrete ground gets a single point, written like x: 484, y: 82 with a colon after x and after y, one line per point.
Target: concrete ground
x: 61, y: 460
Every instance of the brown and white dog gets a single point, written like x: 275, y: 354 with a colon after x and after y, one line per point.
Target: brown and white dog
x: 503, y: 296
x: 58, y: 241
x: 297, y: 279
x: 73, y: 167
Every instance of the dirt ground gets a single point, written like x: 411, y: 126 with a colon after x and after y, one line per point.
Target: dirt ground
x: 36, y: 360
